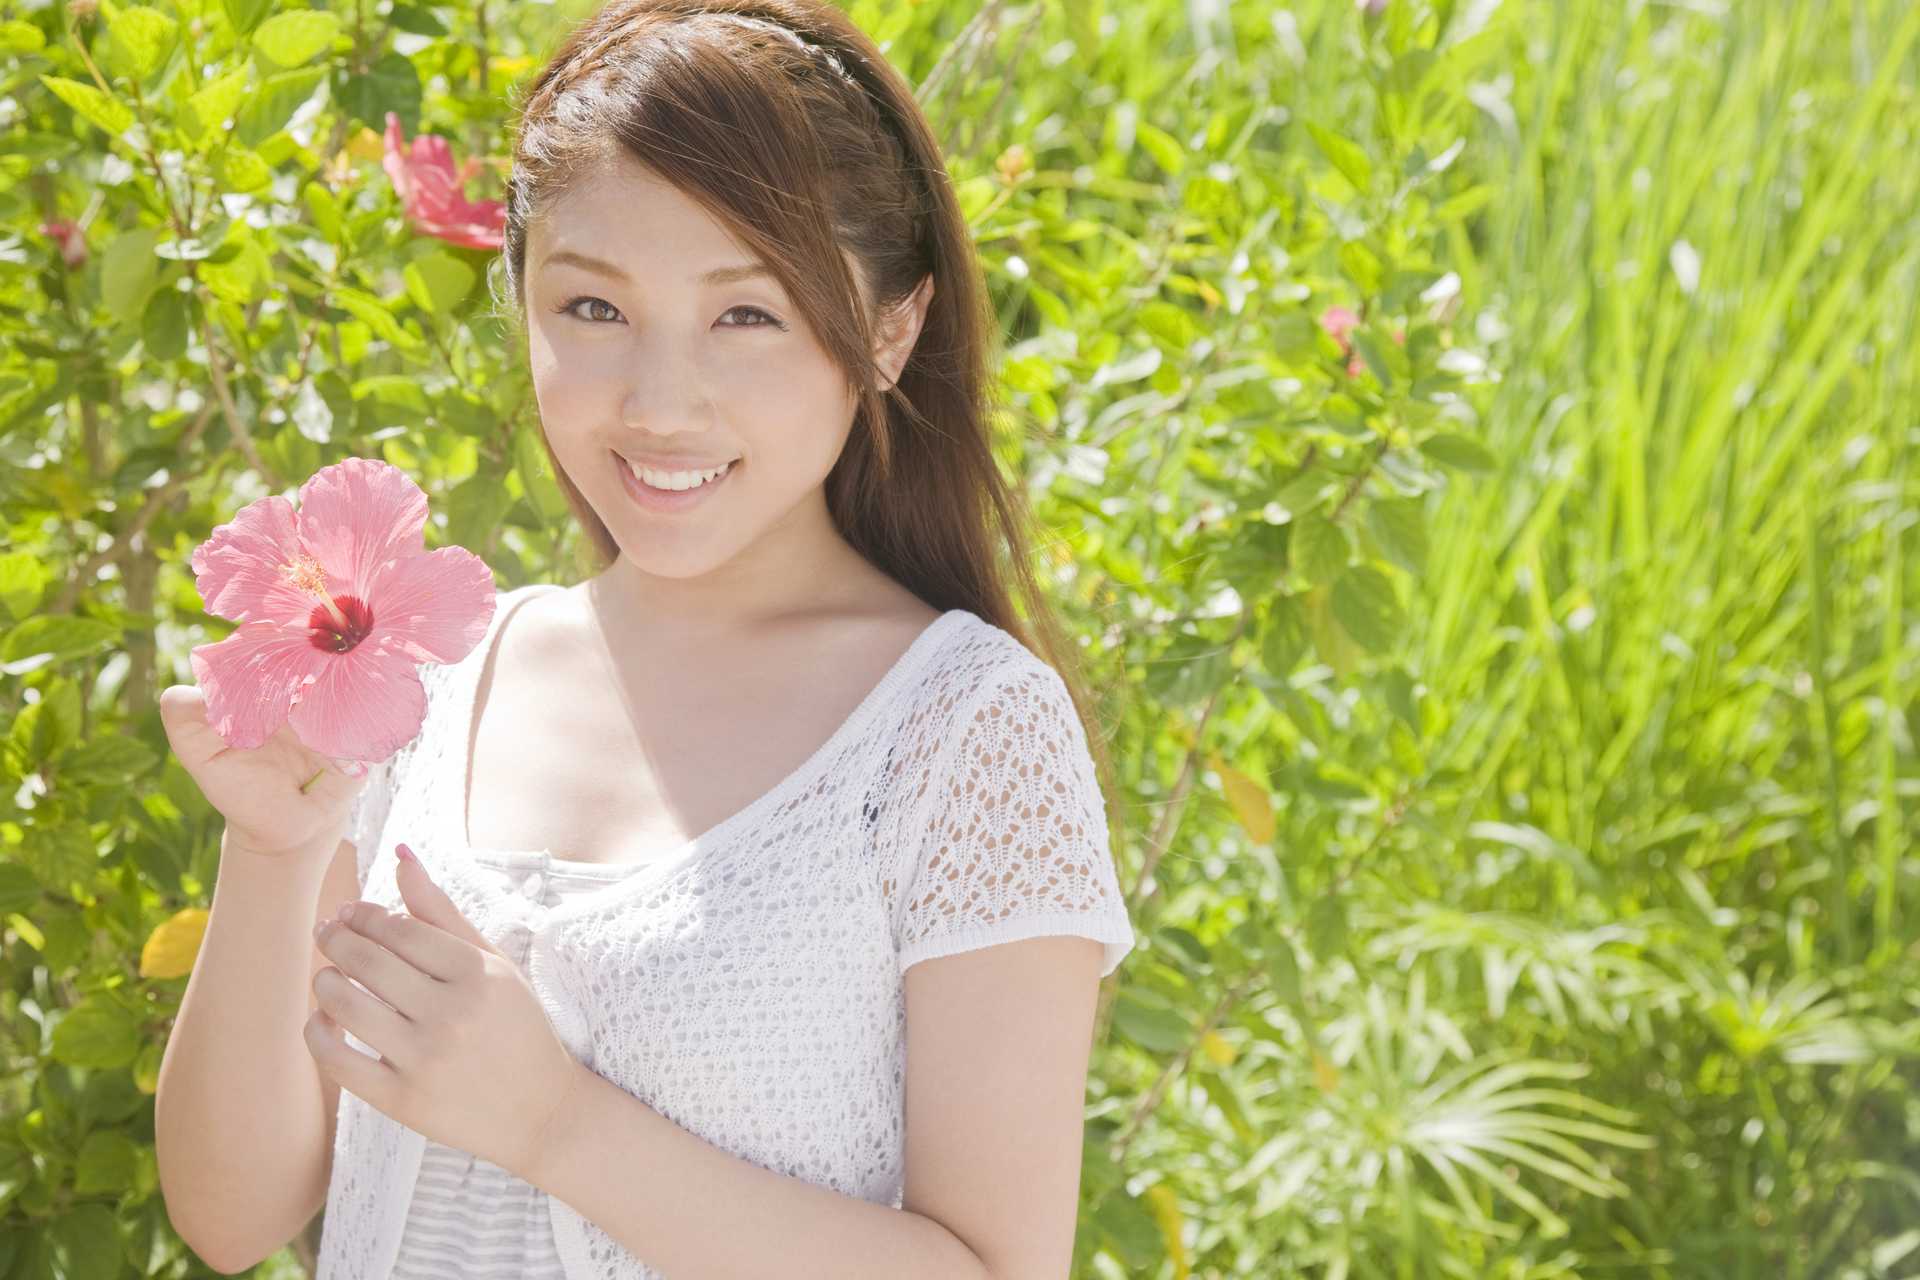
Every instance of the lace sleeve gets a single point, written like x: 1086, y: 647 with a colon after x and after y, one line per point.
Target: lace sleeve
x: 1011, y: 841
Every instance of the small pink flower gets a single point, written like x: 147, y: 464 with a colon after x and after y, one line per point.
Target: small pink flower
x: 434, y: 194
x: 72, y: 241
x: 337, y: 603
x: 1339, y: 322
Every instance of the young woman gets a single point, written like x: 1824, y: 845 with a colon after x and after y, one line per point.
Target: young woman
x: 760, y: 887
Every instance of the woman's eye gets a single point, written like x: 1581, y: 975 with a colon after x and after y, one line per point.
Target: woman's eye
x: 566, y: 308
x: 766, y: 319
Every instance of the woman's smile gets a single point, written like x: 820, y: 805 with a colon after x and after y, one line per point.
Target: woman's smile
x: 654, y: 498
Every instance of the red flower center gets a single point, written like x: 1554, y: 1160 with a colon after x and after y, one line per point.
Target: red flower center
x: 338, y: 632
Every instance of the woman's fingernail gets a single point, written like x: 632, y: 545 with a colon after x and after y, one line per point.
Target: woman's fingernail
x: 405, y: 853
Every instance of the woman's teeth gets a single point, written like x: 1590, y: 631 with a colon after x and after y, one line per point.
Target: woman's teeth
x: 675, y: 480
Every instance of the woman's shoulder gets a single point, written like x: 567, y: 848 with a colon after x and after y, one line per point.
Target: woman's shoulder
x: 979, y: 662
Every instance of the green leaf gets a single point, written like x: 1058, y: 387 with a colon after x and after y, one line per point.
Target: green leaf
x: 1464, y: 204
x: 90, y: 104
x: 1400, y: 697
x: 245, y: 15
x: 395, y: 398
x: 1208, y: 197
x: 243, y: 171
x: 1401, y: 526
x: 84, y: 1244
x: 165, y: 324
x: 18, y: 37
x: 106, y: 1165
x: 97, y: 1032
x: 476, y: 507
x: 325, y: 209
x: 1347, y: 157
x: 1362, y: 266
x: 19, y: 891
x: 416, y: 19
x: 1374, y: 354
x: 267, y: 110
x: 242, y: 276
x: 1162, y: 146
x: 128, y: 269
x: 465, y: 413
x: 1327, y: 927
x: 1172, y: 325
x: 536, y: 475
x: 207, y: 110
x: 142, y: 39
x: 24, y: 578
x: 374, y: 313
x: 55, y: 637
x: 1283, y: 638
x: 295, y: 36
x: 1319, y: 549
x: 1283, y: 970
x: 391, y: 84
x: 438, y: 281
x: 1151, y: 1026
x: 1367, y: 608
x: 1457, y: 451
x: 113, y: 758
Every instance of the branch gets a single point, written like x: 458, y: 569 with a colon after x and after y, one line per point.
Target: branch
x: 242, y: 435
x: 157, y: 498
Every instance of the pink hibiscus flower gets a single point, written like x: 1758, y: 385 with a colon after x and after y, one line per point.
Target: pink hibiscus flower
x: 337, y: 602
x: 434, y: 194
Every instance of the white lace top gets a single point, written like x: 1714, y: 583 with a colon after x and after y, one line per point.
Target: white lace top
x: 749, y: 984
x: 469, y: 1219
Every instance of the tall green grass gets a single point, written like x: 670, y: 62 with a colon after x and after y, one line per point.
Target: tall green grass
x: 1629, y: 987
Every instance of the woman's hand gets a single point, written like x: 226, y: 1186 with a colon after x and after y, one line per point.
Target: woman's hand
x: 470, y: 1059
x: 259, y: 790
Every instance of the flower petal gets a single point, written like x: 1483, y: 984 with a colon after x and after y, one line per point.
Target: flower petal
x: 252, y: 677
x: 238, y: 569
x: 432, y: 608
x: 362, y: 705
x: 394, y: 161
x: 357, y: 515
x: 473, y: 232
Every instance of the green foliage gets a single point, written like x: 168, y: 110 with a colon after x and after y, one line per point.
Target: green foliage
x: 1514, y: 691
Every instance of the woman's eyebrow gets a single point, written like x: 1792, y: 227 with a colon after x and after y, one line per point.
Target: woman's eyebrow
x: 719, y: 275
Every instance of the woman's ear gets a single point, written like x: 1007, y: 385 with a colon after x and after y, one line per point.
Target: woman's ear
x: 901, y: 330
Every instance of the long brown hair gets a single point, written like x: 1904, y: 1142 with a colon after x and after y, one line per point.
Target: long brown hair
x: 784, y: 121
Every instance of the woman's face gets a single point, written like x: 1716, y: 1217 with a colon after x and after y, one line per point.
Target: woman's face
x: 657, y: 354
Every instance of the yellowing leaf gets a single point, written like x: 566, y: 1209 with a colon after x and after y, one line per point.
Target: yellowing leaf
x: 1249, y: 800
x: 173, y: 946
x: 146, y: 1069
x: 1217, y: 1049
x: 366, y: 145
x: 1326, y: 1076
x: 1164, y: 1205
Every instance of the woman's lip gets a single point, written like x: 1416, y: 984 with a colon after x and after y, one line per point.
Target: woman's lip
x: 669, y: 468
